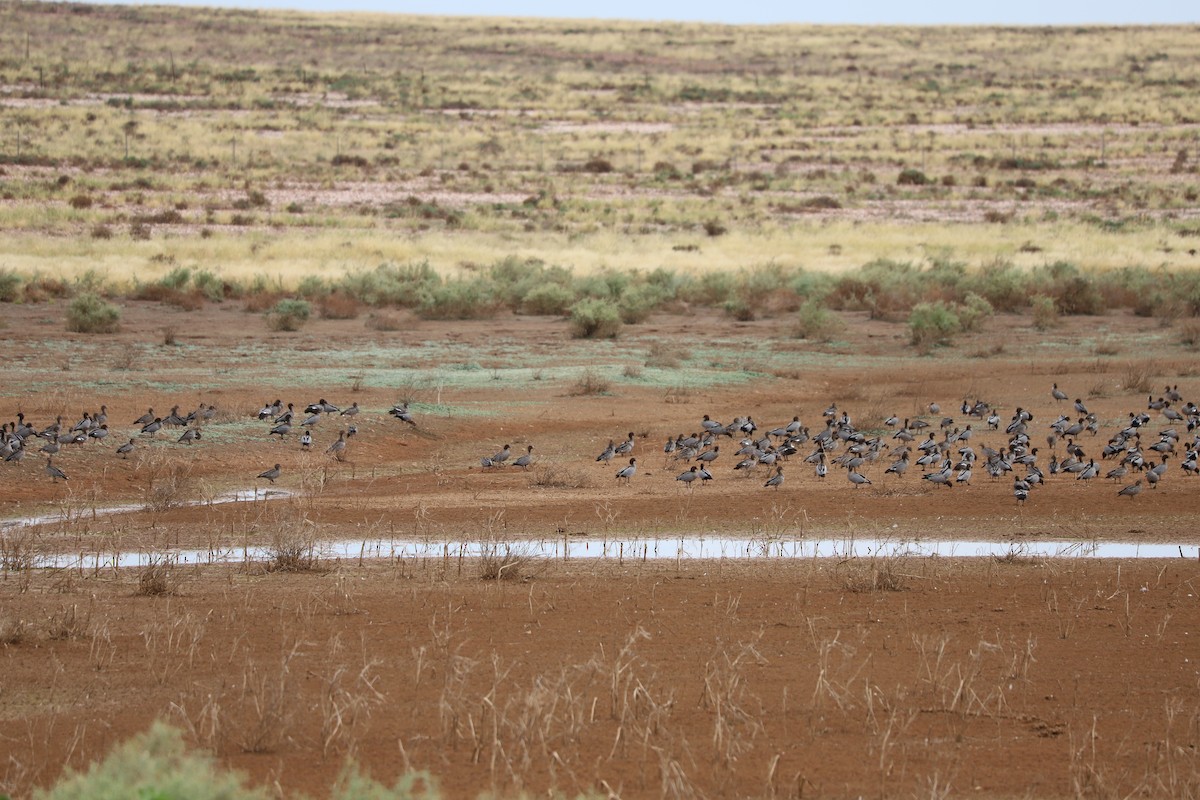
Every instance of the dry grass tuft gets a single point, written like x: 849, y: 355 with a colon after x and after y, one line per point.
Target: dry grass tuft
x: 860, y: 575
x: 590, y: 384
x: 156, y: 580
x: 1136, y: 376
x: 557, y: 476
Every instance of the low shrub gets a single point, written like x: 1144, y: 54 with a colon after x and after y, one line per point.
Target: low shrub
x: 638, y: 302
x: 90, y: 313
x: 974, y: 312
x: 912, y: 177
x: 10, y: 286
x: 931, y: 324
x: 463, y: 299
x: 391, y: 284
x: 817, y: 323
x: 289, y: 314
x: 1045, y: 312
x: 547, y: 298
x: 593, y: 318
x: 154, y: 764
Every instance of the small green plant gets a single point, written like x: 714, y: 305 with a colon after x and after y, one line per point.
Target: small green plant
x: 1045, y: 312
x: 974, y: 312
x: 638, y: 302
x: 289, y: 315
x: 154, y: 764
x: 547, y: 298
x: 90, y: 313
x: 458, y: 300
x: 10, y: 286
x: 817, y: 323
x: 932, y: 324
x: 912, y: 177
x: 595, y: 319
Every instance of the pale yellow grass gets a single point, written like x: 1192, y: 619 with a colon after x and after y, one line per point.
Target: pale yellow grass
x: 287, y: 257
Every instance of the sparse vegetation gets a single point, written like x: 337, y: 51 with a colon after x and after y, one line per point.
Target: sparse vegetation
x: 932, y: 324
x: 595, y: 319
x: 289, y: 315
x: 90, y: 313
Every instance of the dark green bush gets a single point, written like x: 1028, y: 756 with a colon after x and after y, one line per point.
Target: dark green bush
x: 932, y: 324
x: 391, y: 284
x: 638, y: 302
x: 289, y: 315
x: 592, y: 318
x: 90, y: 313
x: 974, y: 312
x: 155, y: 764
x: 1045, y: 312
x: 548, y: 298
x: 460, y: 299
x: 10, y: 286
x: 817, y: 323
x: 710, y: 289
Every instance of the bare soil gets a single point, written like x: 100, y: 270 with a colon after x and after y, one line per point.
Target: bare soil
x: 883, y: 676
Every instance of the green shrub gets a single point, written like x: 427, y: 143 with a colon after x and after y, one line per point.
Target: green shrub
x: 1045, y: 312
x: 974, y: 312
x: 761, y: 283
x: 353, y: 784
x: 638, y: 302
x: 289, y: 315
x: 548, y: 298
x: 1002, y: 285
x: 90, y: 313
x: 606, y: 285
x: 209, y: 284
x: 811, y: 285
x: 469, y: 299
x: 740, y: 309
x: 592, y: 318
x: 817, y: 323
x: 1073, y: 292
x: 177, y: 278
x: 154, y: 764
x: 391, y: 284
x: 711, y: 289
x: 932, y: 324
x: 312, y: 287
x: 912, y: 177
x: 10, y: 286
x: 513, y: 280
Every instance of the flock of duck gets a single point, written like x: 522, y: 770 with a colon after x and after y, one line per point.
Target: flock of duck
x: 943, y: 448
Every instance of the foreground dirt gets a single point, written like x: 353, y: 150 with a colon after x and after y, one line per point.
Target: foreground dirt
x: 880, y: 676
x: 750, y: 679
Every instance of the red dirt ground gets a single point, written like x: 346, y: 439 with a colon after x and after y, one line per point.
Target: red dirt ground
x: 882, y: 676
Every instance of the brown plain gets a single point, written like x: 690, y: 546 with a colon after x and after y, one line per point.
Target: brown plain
x: 878, y: 676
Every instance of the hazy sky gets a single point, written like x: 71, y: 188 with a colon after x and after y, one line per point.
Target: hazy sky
x: 1014, y: 12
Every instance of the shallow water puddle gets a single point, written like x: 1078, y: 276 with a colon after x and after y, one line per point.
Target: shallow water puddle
x: 637, y: 549
x: 239, y: 496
